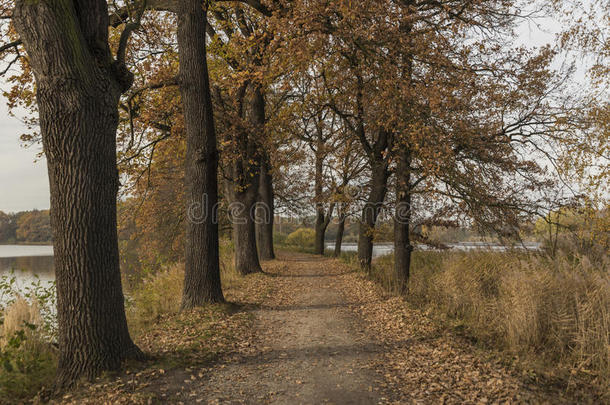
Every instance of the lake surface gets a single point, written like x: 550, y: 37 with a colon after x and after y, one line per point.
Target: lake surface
x: 26, y: 261
x: 383, y: 249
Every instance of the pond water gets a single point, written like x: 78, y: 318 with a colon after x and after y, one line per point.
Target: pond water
x: 383, y: 249
x: 26, y: 262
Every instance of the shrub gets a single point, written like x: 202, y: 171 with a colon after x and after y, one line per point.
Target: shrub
x: 157, y: 294
x: 303, y: 238
x: 27, y: 360
x: 38, y: 293
x: 279, y: 238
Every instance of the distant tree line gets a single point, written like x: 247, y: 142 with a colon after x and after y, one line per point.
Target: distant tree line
x: 25, y: 227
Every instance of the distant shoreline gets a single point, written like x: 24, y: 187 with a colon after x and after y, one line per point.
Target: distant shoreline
x: 27, y: 244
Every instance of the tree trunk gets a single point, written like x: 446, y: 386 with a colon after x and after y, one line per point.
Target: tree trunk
x: 202, y: 267
x: 339, y: 238
x: 244, y: 187
x: 322, y: 218
x: 322, y: 221
x: 402, y: 213
x: 265, y: 213
x: 244, y: 230
x: 370, y: 212
x: 402, y: 221
x: 78, y: 88
x: 319, y: 237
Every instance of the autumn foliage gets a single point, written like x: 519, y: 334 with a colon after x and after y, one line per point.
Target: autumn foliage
x: 389, y: 116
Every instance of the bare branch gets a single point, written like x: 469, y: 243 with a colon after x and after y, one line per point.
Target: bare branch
x: 121, y: 15
x: 10, y: 45
x: 127, y: 31
x: 174, y: 81
x: 258, y: 6
x: 11, y: 63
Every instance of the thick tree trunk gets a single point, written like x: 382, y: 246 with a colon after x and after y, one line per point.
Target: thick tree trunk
x: 319, y: 236
x: 244, y: 231
x: 322, y: 221
x: 78, y: 89
x: 340, y: 231
x: 202, y: 267
x: 244, y: 187
x: 265, y: 212
x: 402, y: 221
x: 370, y: 212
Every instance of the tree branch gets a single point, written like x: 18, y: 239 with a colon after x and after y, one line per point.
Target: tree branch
x: 10, y: 45
x: 127, y: 31
x: 122, y: 14
x: 258, y: 6
x: 174, y: 81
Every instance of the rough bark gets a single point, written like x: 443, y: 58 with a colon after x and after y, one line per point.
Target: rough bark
x: 340, y: 231
x: 322, y: 221
x: 370, y: 212
x: 320, y: 230
x: 266, y: 213
x: 402, y: 221
x: 243, y: 186
x: 202, y: 268
x: 403, y: 189
x: 78, y: 86
x: 377, y: 156
x: 244, y: 230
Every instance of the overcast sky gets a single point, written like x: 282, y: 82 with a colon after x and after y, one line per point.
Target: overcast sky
x: 24, y: 183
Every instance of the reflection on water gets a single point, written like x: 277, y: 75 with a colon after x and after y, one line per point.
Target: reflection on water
x: 33, y: 272
x: 26, y: 267
x: 378, y: 250
x: 27, y: 262
x: 25, y: 250
x: 386, y: 248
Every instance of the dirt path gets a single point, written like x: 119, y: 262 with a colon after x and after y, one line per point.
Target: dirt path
x: 310, y: 331
x: 313, y: 349
x: 326, y: 335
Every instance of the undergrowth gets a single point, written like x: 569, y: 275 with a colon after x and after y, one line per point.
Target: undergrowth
x: 28, y: 358
x: 554, y: 312
x: 160, y: 293
x: 28, y: 333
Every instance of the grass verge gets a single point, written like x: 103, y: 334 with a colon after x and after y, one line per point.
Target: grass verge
x: 550, y: 314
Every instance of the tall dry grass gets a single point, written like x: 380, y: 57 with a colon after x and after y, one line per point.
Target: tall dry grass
x: 161, y: 293
x: 27, y: 360
x: 20, y: 316
x: 551, y: 309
